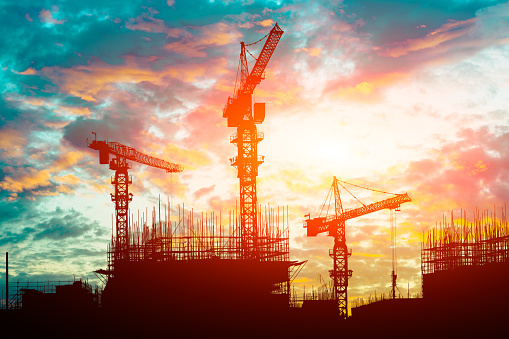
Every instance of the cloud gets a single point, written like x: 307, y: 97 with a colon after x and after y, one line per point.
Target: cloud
x: 146, y: 22
x: 314, y: 52
x: 203, y: 191
x: 97, y: 79
x: 65, y: 224
x: 38, y: 181
x: 265, y: 23
x: 466, y: 173
x: 47, y: 18
x: 449, y: 31
x: 66, y: 161
x: 397, y: 47
x: 218, y: 34
x: 9, y: 237
x: 43, y: 223
x: 12, y: 143
x: 23, y: 179
x: 189, y: 158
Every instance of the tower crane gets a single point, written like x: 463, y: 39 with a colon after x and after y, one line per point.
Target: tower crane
x: 121, y: 181
x: 335, y: 226
x: 240, y: 114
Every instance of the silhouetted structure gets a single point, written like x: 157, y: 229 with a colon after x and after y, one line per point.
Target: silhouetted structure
x: 335, y: 226
x: 122, y: 180
x: 465, y: 274
x: 192, y: 270
x: 241, y: 114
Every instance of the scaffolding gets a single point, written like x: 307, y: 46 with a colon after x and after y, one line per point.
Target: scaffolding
x: 188, y: 235
x: 202, y: 236
x: 459, y: 243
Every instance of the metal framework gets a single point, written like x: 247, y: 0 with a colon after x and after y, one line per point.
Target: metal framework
x: 335, y: 226
x: 190, y: 236
x: 187, y: 236
x: 121, y: 182
x: 459, y: 244
x: 238, y: 110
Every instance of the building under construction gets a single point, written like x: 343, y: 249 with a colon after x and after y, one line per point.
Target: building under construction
x: 201, y: 269
x: 193, y: 269
x: 465, y: 279
x: 465, y: 265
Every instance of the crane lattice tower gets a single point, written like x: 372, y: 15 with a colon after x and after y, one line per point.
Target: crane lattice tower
x: 335, y: 226
x: 240, y: 113
x: 121, y: 182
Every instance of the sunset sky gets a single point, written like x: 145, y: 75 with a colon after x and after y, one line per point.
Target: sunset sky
x: 399, y: 96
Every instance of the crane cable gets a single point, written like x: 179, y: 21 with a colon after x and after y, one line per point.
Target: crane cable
x: 251, y: 54
x: 340, y: 181
x: 351, y: 193
x: 328, y: 197
x: 254, y: 43
x: 369, y: 189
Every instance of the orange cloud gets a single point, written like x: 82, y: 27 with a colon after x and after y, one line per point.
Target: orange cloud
x: 12, y: 143
x: 460, y: 163
x: 367, y: 255
x: 447, y: 32
x: 265, y: 23
x: 76, y: 110
x: 28, y: 71
x: 314, y: 52
x: 67, y: 160
x: 186, y: 48
x: 30, y: 178
x: 189, y: 158
x: 478, y: 168
x: 68, y: 179
x: 87, y: 81
x: 369, y: 91
x: 26, y: 179
x: 219, y: 34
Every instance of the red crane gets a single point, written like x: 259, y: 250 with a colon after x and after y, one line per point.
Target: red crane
x: 335, y: 225
x: 240, y: 113
x: 121, y: 181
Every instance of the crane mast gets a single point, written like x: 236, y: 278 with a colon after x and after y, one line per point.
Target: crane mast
x: 239, y: 113
x: 335, y: 226
x: 121, y: 182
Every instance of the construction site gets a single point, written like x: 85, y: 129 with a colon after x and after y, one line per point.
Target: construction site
x: 193, y: 274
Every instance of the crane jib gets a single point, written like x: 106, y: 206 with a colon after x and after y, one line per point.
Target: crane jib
x: 238, y: 107
x: 262, y: 61
x: 319, y: 225
x: 390, y: 203
x: 115, y: 148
